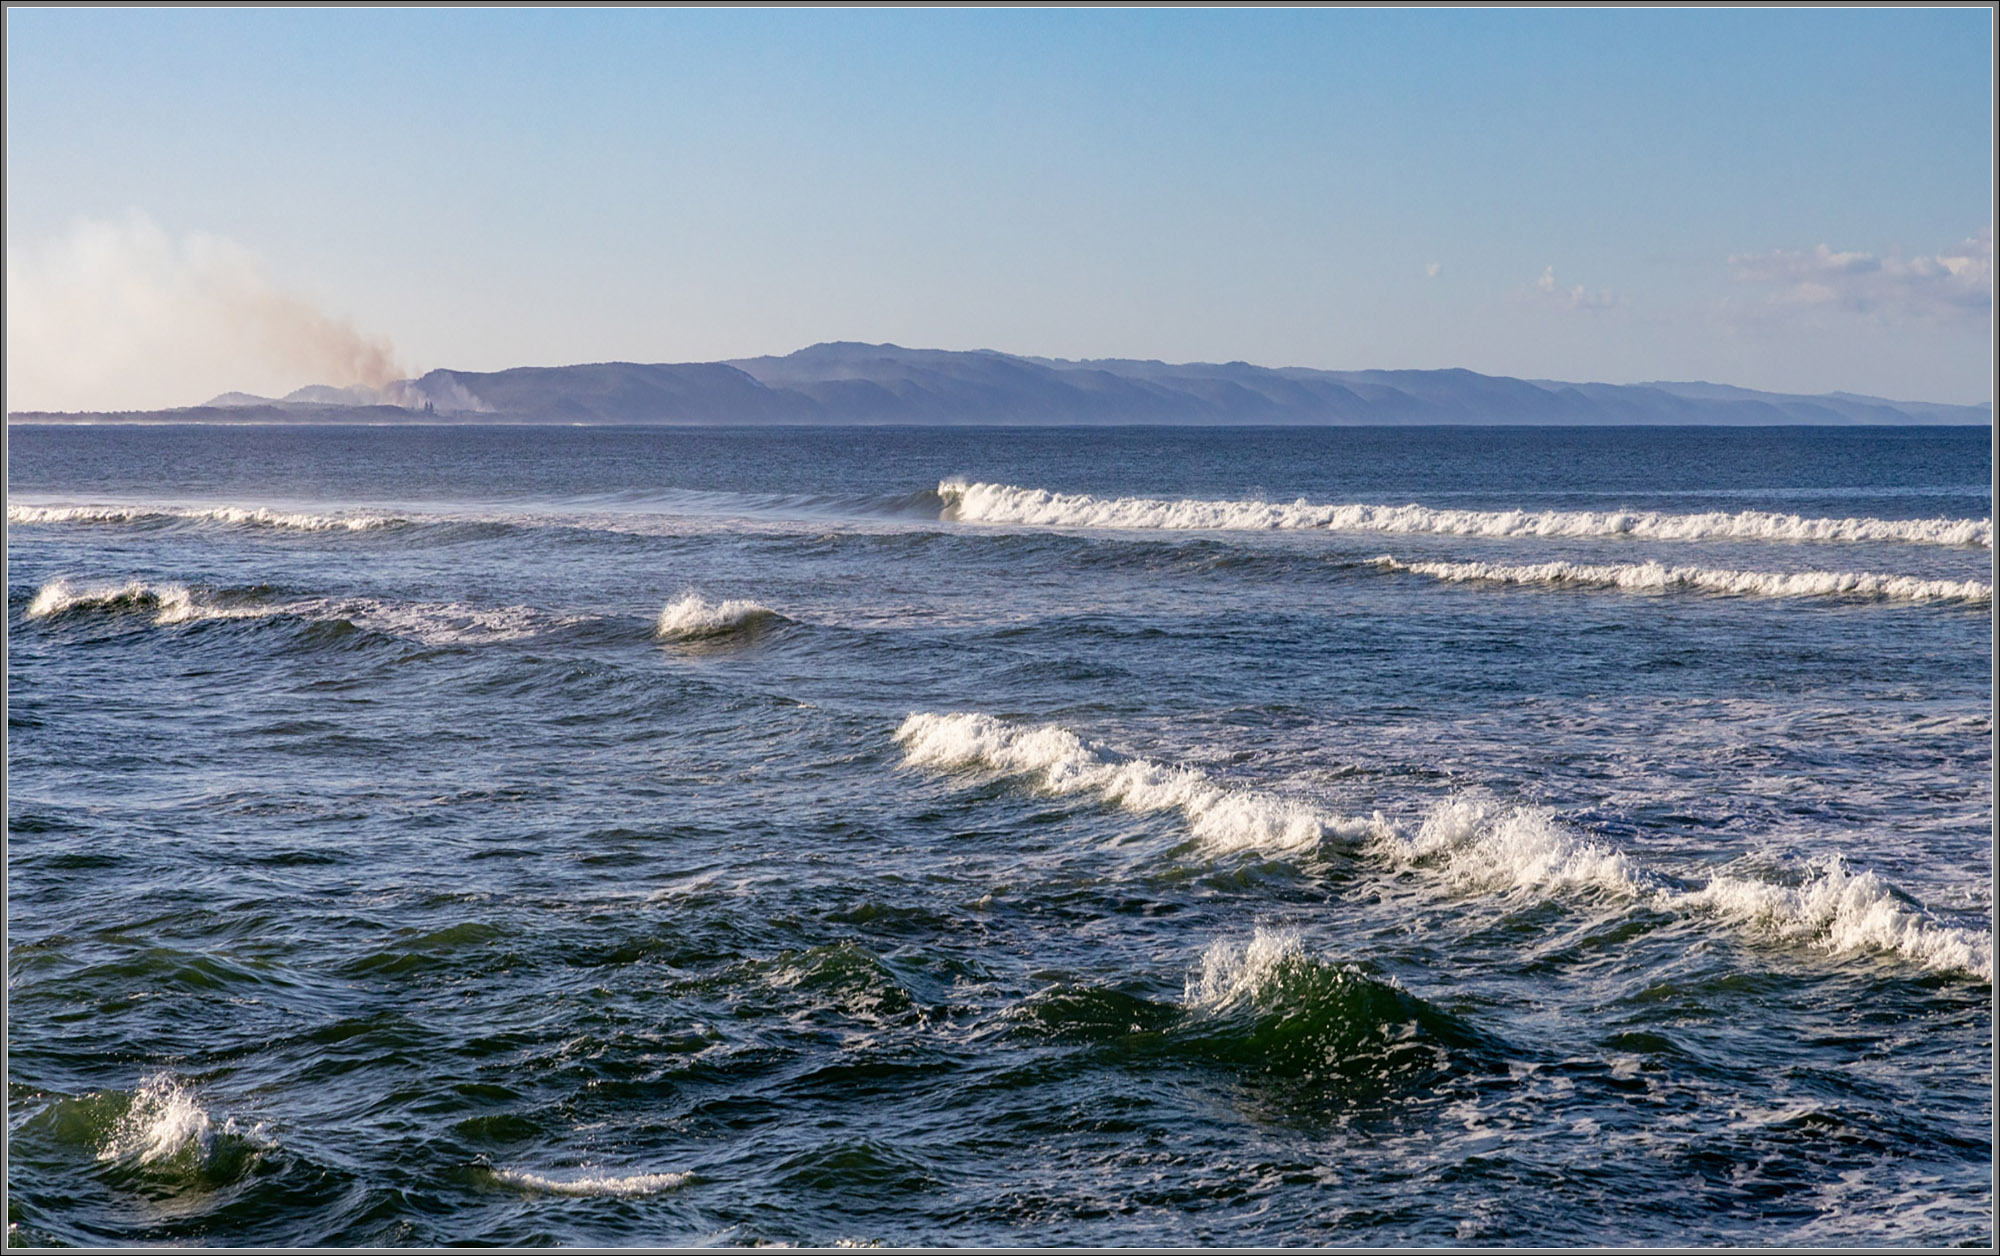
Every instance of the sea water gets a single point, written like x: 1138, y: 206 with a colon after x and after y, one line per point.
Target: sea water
x: 1096, y: 837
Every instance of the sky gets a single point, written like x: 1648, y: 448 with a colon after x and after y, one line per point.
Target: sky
x: 200, y: 200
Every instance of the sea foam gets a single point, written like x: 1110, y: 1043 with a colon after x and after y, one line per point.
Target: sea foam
x: 1006, y: 503
x: 1658, y: 578
x: 1224, y: 819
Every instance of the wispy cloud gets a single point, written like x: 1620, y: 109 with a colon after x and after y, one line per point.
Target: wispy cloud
x: 1548, y: 291
x: 121, y: 315
x: 1952, y: 284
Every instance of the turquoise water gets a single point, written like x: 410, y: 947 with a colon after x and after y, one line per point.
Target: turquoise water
x: 1344, y: 836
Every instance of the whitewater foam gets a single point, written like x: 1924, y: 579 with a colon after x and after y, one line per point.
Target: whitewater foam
x: 1234, y: 973
x: 627, y: 1187
x: 442, y: 623
x: 693, y: 618
x: 1006, y: 503
x: 1477, y: 844
x: 239, y: 516
x: 1840, y: 911
x: 1654, y: 577
x: 165, y: 1121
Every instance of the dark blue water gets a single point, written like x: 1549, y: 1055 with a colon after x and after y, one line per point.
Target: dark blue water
x: 1351, y: 836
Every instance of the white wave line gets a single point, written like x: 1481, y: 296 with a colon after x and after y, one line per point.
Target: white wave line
x: 1006, y: 503
x: 241, y: 516
x: 626, y: 1187
x: 428, y: 622
x: 1223, y: 819
x: 1653, y: 577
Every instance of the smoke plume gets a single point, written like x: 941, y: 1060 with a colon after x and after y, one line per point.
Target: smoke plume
x: 120, y: 315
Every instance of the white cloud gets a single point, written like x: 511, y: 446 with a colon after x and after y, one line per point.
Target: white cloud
x: 1575, y: 297
x: 1954, y: 284
x: 120, y: 315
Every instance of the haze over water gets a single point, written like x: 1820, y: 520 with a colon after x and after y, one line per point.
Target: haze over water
x: 1334, y: 836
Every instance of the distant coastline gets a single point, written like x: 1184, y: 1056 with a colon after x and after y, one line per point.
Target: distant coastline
x: 841, y: 384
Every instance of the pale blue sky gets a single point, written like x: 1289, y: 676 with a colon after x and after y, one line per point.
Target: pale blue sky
x: 1617, y: 195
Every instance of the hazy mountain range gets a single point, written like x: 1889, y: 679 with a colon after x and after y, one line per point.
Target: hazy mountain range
x: 845, y: 382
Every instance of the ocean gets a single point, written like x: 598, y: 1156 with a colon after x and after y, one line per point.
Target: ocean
x: 1099, y: 837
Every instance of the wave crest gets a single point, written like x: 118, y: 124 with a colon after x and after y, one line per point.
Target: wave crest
x: 170, y: 603
x: 1223, y: 819
x: 1268, y: 1001
x: 165, y: 1129
x: 692, y: 618
x: 1006, y: 503
x: 1655, y: 577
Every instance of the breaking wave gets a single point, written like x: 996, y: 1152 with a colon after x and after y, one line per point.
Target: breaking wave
x: 627, y: 1187
x: 1223, y: 819
x: 166, y: 1129
x: 1840, y: 912
x: 1266, y: 1005
x: 1657, y: 578
x: 1476, y: 845
x: 692, y: 618
x: 1469, y: 844
x: 169, y: 604
x: 1006, y: 503
x: 1268, y: 1001
x: 239, y: 516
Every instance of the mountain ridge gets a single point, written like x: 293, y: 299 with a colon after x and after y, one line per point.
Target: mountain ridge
x: 850, y: 382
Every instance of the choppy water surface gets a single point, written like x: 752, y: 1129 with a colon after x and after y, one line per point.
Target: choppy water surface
x: 984, y: 837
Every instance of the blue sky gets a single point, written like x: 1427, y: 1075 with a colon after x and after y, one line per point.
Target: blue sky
x: 209, y: 199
